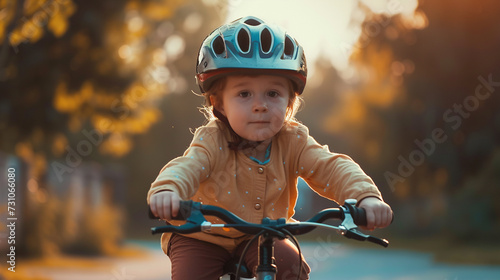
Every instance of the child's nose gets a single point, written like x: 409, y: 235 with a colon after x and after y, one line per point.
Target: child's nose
x: 259, y: 105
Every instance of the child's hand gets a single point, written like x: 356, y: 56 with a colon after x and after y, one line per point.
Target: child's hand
x: 165, y: 204
x: 378, y: 213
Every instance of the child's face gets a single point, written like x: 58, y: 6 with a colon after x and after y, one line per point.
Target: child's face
x: 255, y: 106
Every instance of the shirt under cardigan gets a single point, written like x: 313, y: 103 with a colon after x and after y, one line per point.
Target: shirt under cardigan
x: 211, y: 173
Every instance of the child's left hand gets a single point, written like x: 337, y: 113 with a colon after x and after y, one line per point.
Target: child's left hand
x: 378, y: 213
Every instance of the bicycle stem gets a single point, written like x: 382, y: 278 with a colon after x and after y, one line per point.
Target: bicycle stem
x: 266, y: 268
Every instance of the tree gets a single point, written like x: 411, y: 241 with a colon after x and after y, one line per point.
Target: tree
x: 425, y: 112
x: 80, y: 79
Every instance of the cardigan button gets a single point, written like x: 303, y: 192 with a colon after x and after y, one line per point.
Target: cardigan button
x: 260, y: 170
x: 257, y: 206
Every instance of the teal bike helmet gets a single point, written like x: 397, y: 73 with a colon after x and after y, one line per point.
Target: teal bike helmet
x: 247, y: 46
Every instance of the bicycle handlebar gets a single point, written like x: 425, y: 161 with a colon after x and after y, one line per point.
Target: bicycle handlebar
x: 193, y: 213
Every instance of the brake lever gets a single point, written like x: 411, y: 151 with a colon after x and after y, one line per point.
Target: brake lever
x: 357, y: 235
x: 348, y: 223
x: 382, y: 242
x: 350, y: 230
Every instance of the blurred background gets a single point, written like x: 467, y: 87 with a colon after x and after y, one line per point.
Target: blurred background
x: 96, y: 96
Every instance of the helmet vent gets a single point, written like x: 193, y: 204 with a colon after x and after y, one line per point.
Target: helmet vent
x: 289, y: 47
x: 218, y: 45
x: 266, y: 40
x: 252, y: 22
x: 244, y: 40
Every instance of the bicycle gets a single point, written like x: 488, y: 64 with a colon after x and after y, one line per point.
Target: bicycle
x: 193, y: 213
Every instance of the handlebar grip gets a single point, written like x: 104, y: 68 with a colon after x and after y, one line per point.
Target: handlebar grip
x: 183, y: 214
x: 359, y: 216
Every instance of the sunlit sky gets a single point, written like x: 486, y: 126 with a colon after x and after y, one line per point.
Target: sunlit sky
x: 323, y: 27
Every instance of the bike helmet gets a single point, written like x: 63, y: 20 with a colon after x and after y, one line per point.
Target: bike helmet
x: 248, y: 44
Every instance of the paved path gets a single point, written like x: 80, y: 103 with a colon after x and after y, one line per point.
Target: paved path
x: 327, y: 260
x: 348, y: 263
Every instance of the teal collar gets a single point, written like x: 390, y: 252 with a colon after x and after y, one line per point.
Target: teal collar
x: 266, y: 157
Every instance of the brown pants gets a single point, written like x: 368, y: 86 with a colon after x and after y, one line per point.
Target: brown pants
x: 193, y: 259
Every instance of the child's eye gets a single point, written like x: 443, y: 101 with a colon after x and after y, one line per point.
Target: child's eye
x: 244, y: 94
x: 273, y: 93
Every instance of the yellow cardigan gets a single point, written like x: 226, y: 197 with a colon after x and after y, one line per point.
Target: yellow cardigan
x: 213, y: 174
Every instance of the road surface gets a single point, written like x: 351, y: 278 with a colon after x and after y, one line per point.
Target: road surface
x: 327, y: 260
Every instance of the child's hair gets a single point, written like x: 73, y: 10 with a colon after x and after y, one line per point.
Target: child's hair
x: 215, y: 93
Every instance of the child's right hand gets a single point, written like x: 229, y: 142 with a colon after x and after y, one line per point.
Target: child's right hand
x: 165, y: 204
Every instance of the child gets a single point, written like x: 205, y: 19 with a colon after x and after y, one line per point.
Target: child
x: 247, y: 159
